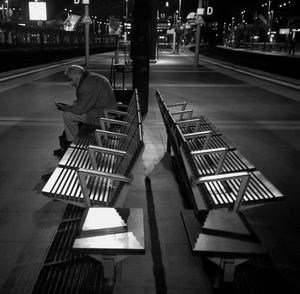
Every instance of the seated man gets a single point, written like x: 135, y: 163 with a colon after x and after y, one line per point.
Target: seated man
x: 94, y: 93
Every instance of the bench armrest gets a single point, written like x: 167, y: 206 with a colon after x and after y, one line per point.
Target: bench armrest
x: 108, y: 121
x: 100, y: 174
x: 97, y: 149
x: 196, y: 121
x: 244, y: 176
x: 113, y: 121
x: 188, y: 121
x: 122, y: 106
x: 83, y: 173
x: 99, y: 133
x: 182, y: 112
x: 221, y: 177
x: 223, y: 152
x: 182, y: 104
x: 206, y: 134
x: 113, y: 111
x: 92, y: 149
x: 109, y: 133
x: 197, y: 134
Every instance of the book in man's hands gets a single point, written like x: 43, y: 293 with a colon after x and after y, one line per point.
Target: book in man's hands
x: 64, y: 101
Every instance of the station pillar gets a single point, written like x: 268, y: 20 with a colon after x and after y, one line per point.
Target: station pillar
x: 141, y: 47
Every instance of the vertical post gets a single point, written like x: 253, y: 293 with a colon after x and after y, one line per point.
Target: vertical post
x: 269, y: 9
x: 177, y: 20
x: 269, y: 20
x: 289, y: 15
x: 126, y: 22
x: 179, y: 11
x: 200, y: 4
x: 7, y: 11
x: 3, y: 15
x: 153, y: 27
x: 87, y: 36
x: 141, y: 47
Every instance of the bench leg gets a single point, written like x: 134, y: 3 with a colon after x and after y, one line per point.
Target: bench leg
x: 109, y: 263
x: 168, y: 145
x: 227, y: 266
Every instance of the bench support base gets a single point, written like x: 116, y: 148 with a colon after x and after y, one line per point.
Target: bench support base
x: 109, y: 263
x: 227, y: 266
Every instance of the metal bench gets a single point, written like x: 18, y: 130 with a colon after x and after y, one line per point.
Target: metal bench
x: 105, y: 185
x: 97, y: 175
x: 214, y: 177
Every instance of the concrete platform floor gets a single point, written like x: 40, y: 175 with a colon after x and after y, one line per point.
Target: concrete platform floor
x: 260, y: 117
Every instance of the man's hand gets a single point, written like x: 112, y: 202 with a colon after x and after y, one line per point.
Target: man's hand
x: 61, y: 106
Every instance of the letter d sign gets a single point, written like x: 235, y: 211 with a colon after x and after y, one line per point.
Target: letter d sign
x: 209, y: 10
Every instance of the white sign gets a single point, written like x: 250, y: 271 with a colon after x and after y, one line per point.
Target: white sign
x: 37, y: 11
x: 76, y: 1
x: 284, y: 31
x: 200, y: 11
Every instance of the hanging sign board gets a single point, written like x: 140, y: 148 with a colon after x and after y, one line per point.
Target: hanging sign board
x: 284, y: 31
x: 37, y: 11
x: 200, y: 11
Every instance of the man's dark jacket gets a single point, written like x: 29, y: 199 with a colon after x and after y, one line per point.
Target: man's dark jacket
x: 94, y: 93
